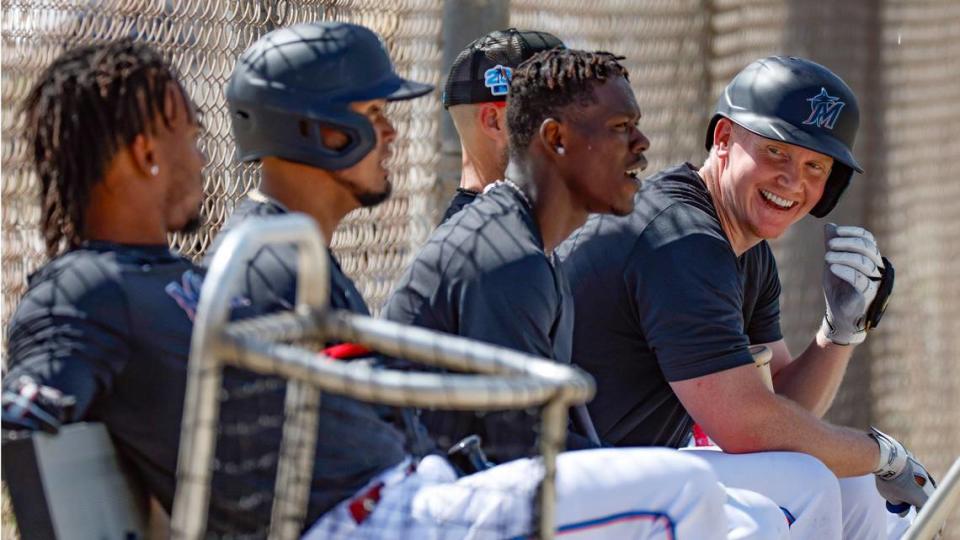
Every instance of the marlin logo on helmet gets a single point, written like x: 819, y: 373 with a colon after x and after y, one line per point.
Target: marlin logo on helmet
x: 497, y: 79
x: 824, y: 110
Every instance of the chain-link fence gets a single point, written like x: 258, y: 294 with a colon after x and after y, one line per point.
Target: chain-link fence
x: 203, y: 40
x: 902, y: 59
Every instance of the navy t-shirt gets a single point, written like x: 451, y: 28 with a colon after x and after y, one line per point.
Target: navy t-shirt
x: 110, y: 325
x: 484, y: 275
x: 461, y: 198
x: 661, y: 296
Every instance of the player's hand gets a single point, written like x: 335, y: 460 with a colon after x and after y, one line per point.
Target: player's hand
x: 901, y: 479
x: 857, y: 283
x: 30, y: 406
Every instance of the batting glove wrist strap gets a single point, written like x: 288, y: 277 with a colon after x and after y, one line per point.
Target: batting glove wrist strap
x: 893, y: 456
x: 901, y: 479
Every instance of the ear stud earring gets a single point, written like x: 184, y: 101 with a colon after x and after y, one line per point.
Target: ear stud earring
x: 154, y: 170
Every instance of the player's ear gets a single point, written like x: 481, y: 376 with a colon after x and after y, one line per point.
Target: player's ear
x: 551, y: 135
x: 143, y: 154
x: 492, y: 121
x: 722, y: 135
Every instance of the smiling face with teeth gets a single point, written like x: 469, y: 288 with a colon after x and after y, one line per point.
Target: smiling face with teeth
x: 764, y: 186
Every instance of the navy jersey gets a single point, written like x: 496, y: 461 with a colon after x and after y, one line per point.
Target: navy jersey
x: 354, y: 441
x: 484, y: 275
x: 461, y: 198
x: 661, y: 296
x: 110, y: 325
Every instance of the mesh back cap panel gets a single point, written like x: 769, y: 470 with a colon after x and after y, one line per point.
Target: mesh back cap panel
x: 501, y: 51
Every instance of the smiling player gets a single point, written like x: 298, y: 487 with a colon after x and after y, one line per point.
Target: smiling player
x: 669, y: 299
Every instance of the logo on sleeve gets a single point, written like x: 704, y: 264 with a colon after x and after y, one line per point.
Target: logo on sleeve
x: 497, y: 79
x: 186, y: 293
x: 824, y: 110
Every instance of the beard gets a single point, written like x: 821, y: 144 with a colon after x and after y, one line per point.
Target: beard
x: 368, y: 199
x: 365, y: 198
x: 192, y: 225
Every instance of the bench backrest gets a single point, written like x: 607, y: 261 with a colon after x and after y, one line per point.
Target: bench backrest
x: 73, y: 485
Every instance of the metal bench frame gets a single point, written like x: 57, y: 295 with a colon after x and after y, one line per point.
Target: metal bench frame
x: 503, y: 378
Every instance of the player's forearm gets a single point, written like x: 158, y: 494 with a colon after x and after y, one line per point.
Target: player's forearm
x: 813, y: 378
x: 782, y: 425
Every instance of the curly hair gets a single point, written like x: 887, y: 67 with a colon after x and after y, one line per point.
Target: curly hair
x: 87, y: 105
x: 551, y: 80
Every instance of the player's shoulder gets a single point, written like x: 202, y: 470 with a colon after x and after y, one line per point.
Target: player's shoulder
x: 489, y: 213
x: 91, y: 280
x: 674, y: 208
x: 77, y: 273
x: 759, y: 260
x: 494, y: 231
x: 671, y: 207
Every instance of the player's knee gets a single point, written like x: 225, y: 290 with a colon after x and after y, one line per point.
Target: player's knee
x: 678, y: 472
x: 699, y: 477
x: 680, y: 464
x: 810, y: 471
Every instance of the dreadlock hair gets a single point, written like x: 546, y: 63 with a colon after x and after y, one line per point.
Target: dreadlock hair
x: 551, y: 80
x: 88, y: 104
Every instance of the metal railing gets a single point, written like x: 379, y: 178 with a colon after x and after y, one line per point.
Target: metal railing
x: 931, y: 518
x: 503, y: 378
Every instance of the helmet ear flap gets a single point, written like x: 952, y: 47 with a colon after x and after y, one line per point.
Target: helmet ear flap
x: 708, y: 144
x: 295, y: 136
x: 836, y: 185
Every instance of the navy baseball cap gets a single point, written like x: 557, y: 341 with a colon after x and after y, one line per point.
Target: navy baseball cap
x: 482, y: 71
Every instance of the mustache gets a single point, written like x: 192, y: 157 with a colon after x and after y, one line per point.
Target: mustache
x: 640, y: 162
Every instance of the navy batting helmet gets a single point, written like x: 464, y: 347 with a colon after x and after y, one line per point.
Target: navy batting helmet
x: 294, y: 80
x: 798, y: 102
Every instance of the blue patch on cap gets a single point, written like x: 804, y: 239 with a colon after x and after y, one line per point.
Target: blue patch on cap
x: 497, y: 79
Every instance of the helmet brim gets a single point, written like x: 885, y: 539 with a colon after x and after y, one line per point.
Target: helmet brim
x: 781, y: 130
x: 392, y: 88
x: 409, y: 89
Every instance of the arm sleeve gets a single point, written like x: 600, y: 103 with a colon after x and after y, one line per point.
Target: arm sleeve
x: 74, y: 343
x: 764, y: 325
x: 689, y: 299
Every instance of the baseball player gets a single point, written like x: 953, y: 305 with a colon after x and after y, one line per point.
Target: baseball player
x: 475, y: 95
x: 103, y: 331
x: 322, y: 142
x: 489, y: 273
x: 669, y: 298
